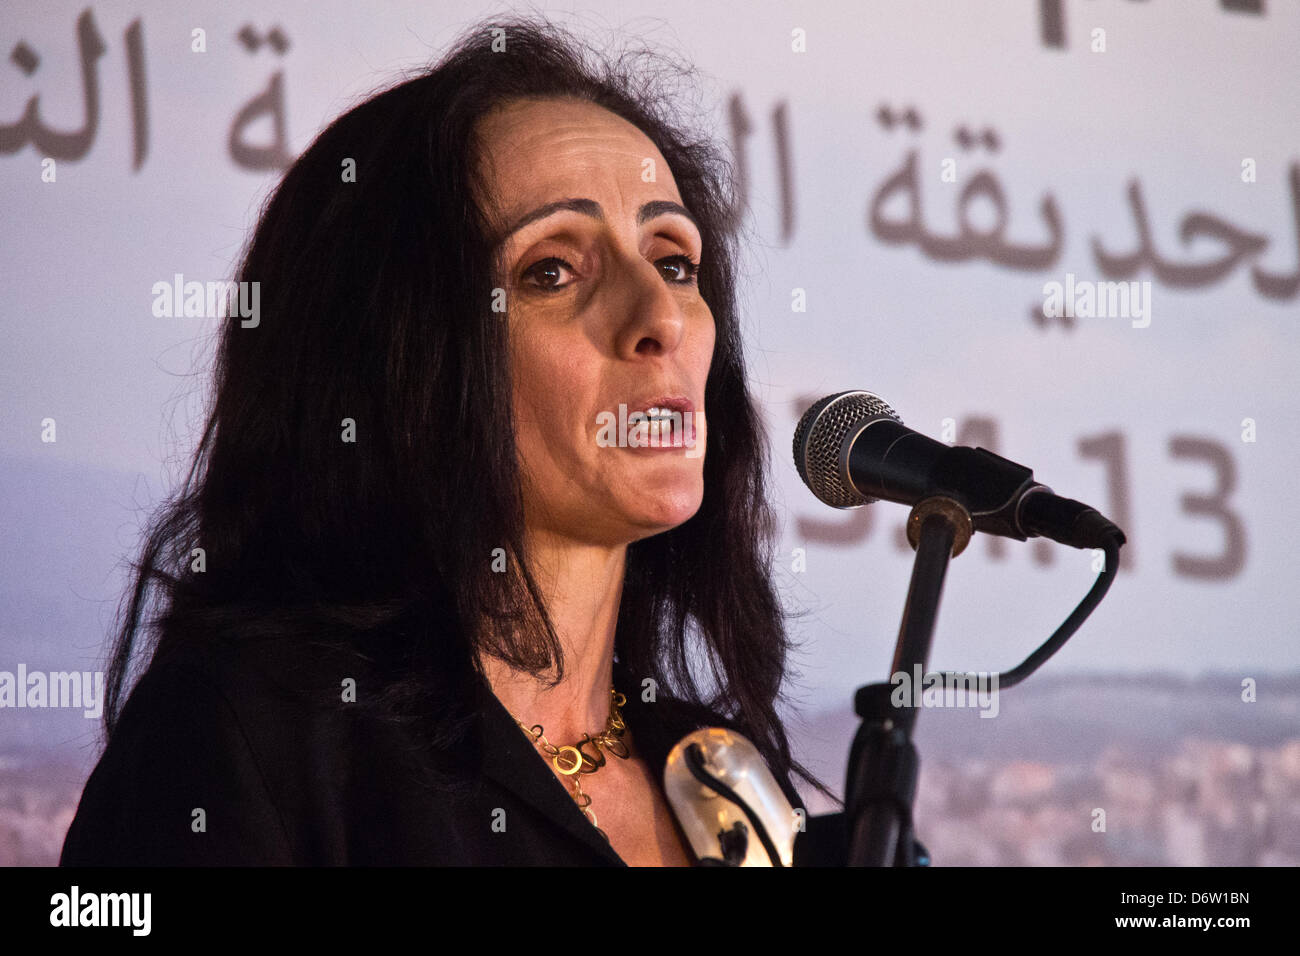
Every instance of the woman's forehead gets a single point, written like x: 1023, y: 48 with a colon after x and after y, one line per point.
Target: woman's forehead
x: 565, y: 142
x: 538, y: 151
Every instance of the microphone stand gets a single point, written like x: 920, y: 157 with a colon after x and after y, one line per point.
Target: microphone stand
x: 883, y: 762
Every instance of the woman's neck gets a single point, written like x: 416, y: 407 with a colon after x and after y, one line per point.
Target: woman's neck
x: 582, y: 585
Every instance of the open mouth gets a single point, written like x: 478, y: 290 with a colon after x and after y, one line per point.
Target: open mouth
x: 666, y: 427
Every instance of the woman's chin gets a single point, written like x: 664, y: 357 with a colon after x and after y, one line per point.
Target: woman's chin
x: 663, y: 510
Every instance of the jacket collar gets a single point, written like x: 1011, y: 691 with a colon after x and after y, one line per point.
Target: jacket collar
x: 515, y: 762
x: 512, y: 760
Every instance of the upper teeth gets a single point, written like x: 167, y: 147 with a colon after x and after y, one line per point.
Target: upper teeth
x: 664, y: 414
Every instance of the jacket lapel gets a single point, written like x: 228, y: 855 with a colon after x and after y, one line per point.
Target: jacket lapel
x: 515, y: 762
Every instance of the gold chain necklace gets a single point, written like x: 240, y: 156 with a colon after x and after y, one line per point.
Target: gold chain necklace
x: 573, y: 761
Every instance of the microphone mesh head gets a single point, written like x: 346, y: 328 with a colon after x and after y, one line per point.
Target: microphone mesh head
x: 820, y: 452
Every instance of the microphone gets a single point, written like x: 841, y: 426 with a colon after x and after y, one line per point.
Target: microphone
x: 851, y: 448
x: 729, y: 805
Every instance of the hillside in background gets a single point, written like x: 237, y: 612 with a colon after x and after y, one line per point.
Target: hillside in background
x: 1186, y: 773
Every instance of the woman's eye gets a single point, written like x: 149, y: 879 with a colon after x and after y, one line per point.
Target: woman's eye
x: 685, y: 269
x: 546, y: 275
x: 544, y: 269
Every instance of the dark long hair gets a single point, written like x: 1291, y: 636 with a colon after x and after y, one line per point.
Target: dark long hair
x: 375, y: 319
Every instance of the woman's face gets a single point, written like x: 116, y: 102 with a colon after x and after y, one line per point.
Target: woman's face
x: 606, y: 320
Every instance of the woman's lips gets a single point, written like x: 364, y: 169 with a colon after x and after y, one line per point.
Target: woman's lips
x: 663, y: 429
x: 657, y: 424
x: 671, y: 403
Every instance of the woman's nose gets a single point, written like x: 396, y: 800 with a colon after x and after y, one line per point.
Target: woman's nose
x: 653, y: 319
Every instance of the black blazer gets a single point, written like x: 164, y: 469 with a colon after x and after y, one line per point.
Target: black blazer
x: 212, y: 728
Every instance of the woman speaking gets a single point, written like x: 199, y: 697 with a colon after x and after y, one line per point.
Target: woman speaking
x: 459, y: 538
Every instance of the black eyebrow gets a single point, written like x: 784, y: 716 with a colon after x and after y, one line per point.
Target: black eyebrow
x: 589, y: 207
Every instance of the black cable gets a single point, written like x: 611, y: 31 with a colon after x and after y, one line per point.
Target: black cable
x: 1071, y: 623
x: 694, y: 757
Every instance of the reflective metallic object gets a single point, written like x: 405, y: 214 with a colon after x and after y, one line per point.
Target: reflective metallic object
x: 706, y: 817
